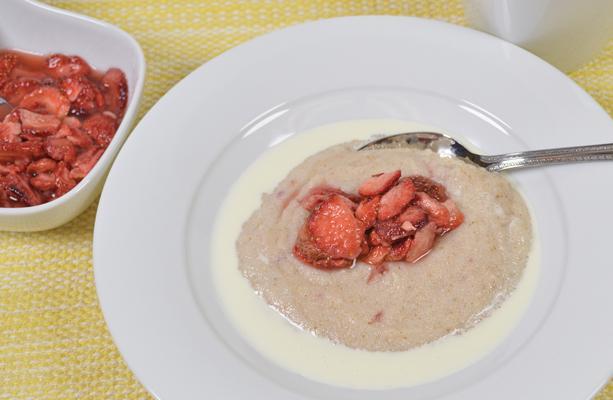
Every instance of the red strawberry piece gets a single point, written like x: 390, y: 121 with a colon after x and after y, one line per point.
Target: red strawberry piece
x: 396, y: 199
x: 422, y: 243
x: 85, y: 97
x: 436, y: 211
x: 13, y: 116
x: 17, y: 192
x: 413, y: 216
x: 430, y: 187
x: 38, y: 124
x: 46, y: 100
x: 378, y: 184
x: 85, y: 162
x: 367, y: 211
x: 101, y: 127
x: 8, y: 61
x: 61, y: 149
x: 75, y: 135
x: 374, y: 239
x: 376, y: 255
x: 61, y: 66
x: 456, y: 217
x: 43, y: 182
x: 306, y: 251
x: 15, y: 90
x: 9, y: 132
x: 318, y: 194
x: 335, y: 230
x: 115, y: 89
x: 390, y: 231
x: 400, y: 250
x: 10, y: 152
x: 63, y: 181
x: 41, y: 166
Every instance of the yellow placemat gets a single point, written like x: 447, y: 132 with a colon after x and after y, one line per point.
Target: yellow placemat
x: 53, y: 339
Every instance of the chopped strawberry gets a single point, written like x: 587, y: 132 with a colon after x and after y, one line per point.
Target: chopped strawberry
x: 115, y: 88
x: 367, y: 211
x: 13, y: 116
x: 9, y: 132
x: 307, y: 252
x: 63, y: 181
x: 390, y: 231
x: 61, y: 149
x: 85, y: 162
x: 374, y: 239
x: 318, y: 194
x: 38, y: 124
x: 436, y: 211
x: 456, y: 217
x: 101, y: 128
x: 422, y: 243
x: 41, y: 166
x: 75, y: 135
x: 83, y: 94
x: 8, y: 61
x: 396, y: 199
x: 19, y: 151
x: 17, y: 192
x: 14, y: 90
x: 399, y: 250
x: 376, y: 255
x: 46, y: 100
x: 335, y: 230
x: 43, y: 182
x: 414, y: 215
x: 430, y: 187
x: 61, y: 66
x: 378, y: 184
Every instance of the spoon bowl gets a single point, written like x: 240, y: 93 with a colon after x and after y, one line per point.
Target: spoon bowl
x: 446, y: 146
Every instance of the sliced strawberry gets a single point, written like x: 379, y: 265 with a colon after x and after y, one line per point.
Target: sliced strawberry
x: 374, y: 239
x: 378, y: 184
x: 46, y: 100
x: 318, y: 194
x: 430, y: 187
x: 75, y: 135
x: 456, y: 217
x: 61, y: 149
x: 390, y: 231
x: 38, y: 124
x: 396, y: 199
x: 18, y: 192
x: 367, y: 211
x: 20, y: 151
x: 436, y: 211
x: 101, y: 127
x: 43, y: 182
x: 376, y: 255
x: 41, y: 166
x: 85, y: 162
x: 422, y: 243
x: 13, y: 116
x: 8, y: 61
x: 9, y: 132
x: 63, y: 181
x: 400, y: 250
x: 10, y: 168
x: 115, y: 89
x: 85, y: 97
x: 306, y: 251
x: 61, y: 66
x: 413, y: 215
x: 15, y: 90
x: 335, y: 230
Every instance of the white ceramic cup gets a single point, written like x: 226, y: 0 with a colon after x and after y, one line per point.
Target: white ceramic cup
x: 566, y: 33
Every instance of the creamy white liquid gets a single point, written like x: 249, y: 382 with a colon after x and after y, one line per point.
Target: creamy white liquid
x: 318, y: 358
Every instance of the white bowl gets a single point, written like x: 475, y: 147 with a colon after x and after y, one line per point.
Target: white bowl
x: 29, y: 26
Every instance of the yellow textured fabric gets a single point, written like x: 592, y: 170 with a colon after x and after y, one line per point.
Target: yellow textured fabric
x: 53, y: 339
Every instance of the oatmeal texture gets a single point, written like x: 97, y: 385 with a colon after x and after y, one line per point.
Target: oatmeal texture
x: 469, y: 271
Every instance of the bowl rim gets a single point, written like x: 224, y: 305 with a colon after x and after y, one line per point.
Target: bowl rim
x: 122, y: 130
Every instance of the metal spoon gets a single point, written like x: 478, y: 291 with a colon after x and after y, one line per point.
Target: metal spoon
x: 5, y: 108
x: 446, y: 146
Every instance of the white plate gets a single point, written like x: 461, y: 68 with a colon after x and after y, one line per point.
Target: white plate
x: 212, y: 125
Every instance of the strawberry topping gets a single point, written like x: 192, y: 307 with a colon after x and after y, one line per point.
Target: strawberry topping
x: 379, y: 183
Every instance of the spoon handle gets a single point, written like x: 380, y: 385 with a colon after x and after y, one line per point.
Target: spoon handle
x: 537, y: 158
